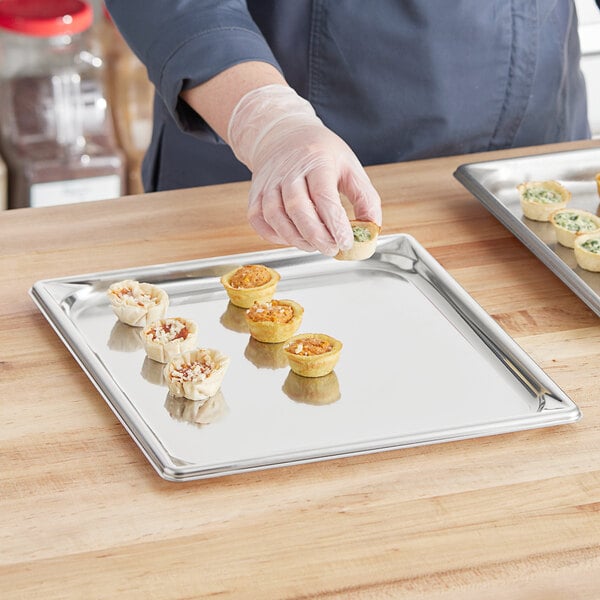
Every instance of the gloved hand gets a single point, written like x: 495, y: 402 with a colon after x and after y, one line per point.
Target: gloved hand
x: 298, y: 166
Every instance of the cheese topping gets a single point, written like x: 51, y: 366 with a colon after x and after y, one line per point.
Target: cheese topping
x: 197, y: 370
x: 250, y: 276
x: 542, y: 195
x: 134, y: 296
x: 274, y: 311
x: 572, y: 221
x: 168, y: 330
x: 309, y: 346
x: 361, y: 233
x: 592, y: 245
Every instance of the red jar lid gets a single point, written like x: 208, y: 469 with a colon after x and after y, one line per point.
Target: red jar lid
x: 46, y: 18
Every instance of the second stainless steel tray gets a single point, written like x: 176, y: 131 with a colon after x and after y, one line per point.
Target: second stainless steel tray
x: 421, y: 363
x: 494, y: 184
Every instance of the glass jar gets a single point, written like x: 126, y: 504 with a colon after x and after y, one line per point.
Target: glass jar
x: 56, y: 131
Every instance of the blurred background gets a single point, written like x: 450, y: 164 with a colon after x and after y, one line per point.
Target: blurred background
x: 76, y: 104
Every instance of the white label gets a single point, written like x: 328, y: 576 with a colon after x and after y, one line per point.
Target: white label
x: 75, y: 190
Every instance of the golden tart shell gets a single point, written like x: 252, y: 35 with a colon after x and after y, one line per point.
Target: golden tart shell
x: 201, y: 387
x: 541, y: 211
x: 565, y: 236
x: 245, y: 297
x: 274, y: 332
x: 590, y: 261
x: 315, y: 365
x: 164, y: 350
x: 142, y: 304
x: 361, y: 250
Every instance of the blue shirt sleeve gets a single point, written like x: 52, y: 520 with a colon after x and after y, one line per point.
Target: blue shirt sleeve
x: 184, y: 43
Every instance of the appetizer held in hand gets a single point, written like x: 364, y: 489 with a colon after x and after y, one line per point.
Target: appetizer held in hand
x: 312, y: 354
x: 274, y: 321
x: 365, y: 235
x: 539, y: 199
x: 249, y: 284
x: 166, y: 338
x: 197, y: 374
x: 137, y: 304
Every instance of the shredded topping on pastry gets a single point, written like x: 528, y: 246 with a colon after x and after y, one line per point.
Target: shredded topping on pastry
x: 274, y: 311
x: 134, y: 296
x: 309, y: 346
x: 197, y: 370
x: 250, y: 276
x: 541, y: 195
x: 361, y: 233
x: 168, y: 330
x: 592, y: 245
x: 572, y: 221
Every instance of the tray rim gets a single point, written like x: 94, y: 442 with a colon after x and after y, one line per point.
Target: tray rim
x: 150, y: 444
x: 528, y: 238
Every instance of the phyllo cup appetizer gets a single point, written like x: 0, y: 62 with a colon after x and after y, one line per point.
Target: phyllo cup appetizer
x: 587, y: 251
x: 274, y: 321
x: 137, y: 304
x: 365, y: 235
x: 166, y: 338
x: 312, y: 354
x: 569, y: 222
x: 540, y: 198
x: 249, y: 284
x: 197, y: 374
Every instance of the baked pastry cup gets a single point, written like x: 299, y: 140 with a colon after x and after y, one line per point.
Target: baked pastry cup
x: 570, y: 222
x: 249, y: 284
x: 312, y: 354
x: 587, y: 251
x: 137, y: 304
x: 197, y: 374
x: 312, y: 390
x: 274, y: 321
x: 166, y: 338
x: 365, y: 241
x: 540, y: 198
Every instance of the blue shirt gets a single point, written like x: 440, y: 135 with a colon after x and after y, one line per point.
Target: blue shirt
x: 396, y: 79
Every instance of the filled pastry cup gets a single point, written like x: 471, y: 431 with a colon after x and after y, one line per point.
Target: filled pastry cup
x: 539, y: 199
x: 166, y: 338
x: 587, y: 251
x: 312, y: 354
x: 365, y: 235
x: 274, y: 321
x: 249, y: 284
x: 197, y: 374
x: 137, y: 304
x: 568, y: 223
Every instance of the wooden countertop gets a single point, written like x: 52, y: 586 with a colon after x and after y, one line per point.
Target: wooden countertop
x: 83, y: 514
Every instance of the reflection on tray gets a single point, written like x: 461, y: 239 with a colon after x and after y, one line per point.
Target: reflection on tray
x: 266, y: 356
x: 124, y: 338
x: 152, y: 371
x: 312, y: 390
x: 234, y: 318
x: 198, y: 413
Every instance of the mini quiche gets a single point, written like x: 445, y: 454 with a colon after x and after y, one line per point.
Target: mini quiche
x: 365, y: 235
x: 570, y: 222
x: 587, y: 251
x: 137, y: 304
x: 197, y: 374
x: 274, y: 321
x: 312, y: 354
x: 166, y: 338
x: 249, y: 284
x: 540, y: 198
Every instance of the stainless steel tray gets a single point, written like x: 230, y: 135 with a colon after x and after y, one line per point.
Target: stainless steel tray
x: 421, y: 363
x: 494, y: 184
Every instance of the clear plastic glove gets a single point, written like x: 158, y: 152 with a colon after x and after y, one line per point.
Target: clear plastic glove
x: 299, y: 167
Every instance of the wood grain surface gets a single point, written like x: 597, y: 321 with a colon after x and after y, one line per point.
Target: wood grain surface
x: 83, y: 514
